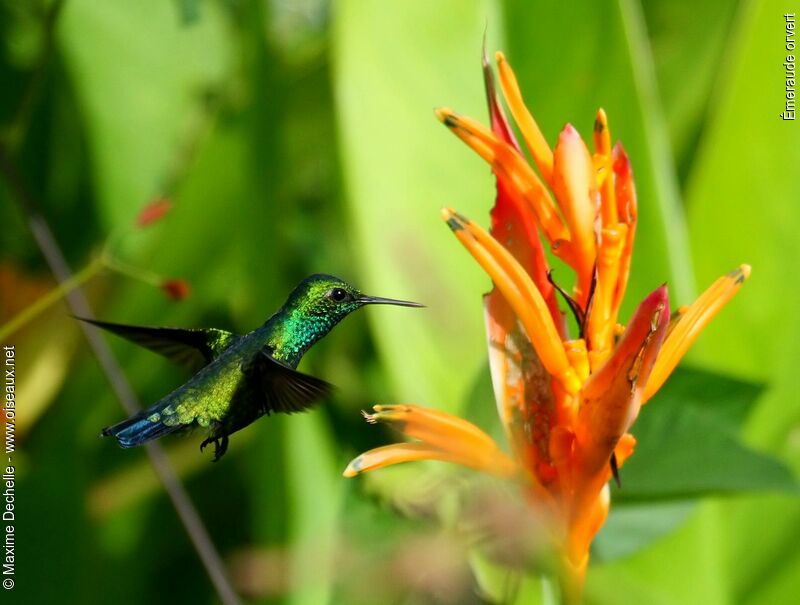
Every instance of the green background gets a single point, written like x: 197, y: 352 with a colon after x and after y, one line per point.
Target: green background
x: 299, y: 137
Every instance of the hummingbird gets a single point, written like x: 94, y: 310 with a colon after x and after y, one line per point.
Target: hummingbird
x: 236, y: 379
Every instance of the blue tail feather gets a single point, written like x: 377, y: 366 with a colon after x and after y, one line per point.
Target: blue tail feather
x: 138, y: 430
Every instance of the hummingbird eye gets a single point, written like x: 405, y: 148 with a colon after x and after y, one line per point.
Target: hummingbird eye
x: 338, y: 295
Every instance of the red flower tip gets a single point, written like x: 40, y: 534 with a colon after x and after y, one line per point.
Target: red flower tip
x: 611, y: 398
x: 569, y: 131
x: 648, y: 325
x: 657, y: 298
x: 176, y: 289
x: 644, y: 335
x: 622, y: 165
x: 153, y: 212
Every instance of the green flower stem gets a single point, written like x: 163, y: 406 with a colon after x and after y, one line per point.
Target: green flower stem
x: 113, y: 264
x: 52, y: 297
x: 104, y: 261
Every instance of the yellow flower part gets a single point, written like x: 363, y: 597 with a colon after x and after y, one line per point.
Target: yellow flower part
x: 566, y: 403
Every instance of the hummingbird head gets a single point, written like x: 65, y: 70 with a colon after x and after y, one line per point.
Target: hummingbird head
x: 315, y: 306
x: 328, y: 299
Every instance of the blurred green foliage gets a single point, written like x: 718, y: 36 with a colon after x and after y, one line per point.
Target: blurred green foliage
x: 298, y: 136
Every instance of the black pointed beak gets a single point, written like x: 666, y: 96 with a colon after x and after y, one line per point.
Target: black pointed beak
x: 377, y: 300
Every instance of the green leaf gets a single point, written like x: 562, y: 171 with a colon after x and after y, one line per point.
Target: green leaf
x: 687, y: 443
x: 728, y: 399
x: 631, y: 527
x: 780, y: 586
x: 139, y: 75
x: 659, y: 575
x: 688, y: 40
x: 315, y: 493
x: 742, y: 199
x: 687, y: 447
x: 742, y: 204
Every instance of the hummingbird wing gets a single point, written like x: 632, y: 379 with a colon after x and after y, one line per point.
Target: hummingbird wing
x: 281, y: 388
x: 192, y: 349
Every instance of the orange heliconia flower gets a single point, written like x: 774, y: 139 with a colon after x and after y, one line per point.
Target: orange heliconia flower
x: 566, y: 403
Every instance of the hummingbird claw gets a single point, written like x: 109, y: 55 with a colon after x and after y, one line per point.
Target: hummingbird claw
x: 220, y: 446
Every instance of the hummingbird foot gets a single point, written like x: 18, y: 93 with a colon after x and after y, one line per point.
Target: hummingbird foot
x: 220, y: 446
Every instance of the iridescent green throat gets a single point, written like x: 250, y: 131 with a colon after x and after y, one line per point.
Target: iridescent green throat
x: 292, y: 332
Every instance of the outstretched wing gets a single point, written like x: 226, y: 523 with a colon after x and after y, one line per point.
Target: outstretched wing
x: 277, y: 387
x: 191, y: 349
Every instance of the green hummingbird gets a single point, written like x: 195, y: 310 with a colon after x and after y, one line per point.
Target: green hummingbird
x: 239, y: 378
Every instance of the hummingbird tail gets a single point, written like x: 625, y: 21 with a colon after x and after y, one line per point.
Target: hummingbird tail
x: 137, y: 430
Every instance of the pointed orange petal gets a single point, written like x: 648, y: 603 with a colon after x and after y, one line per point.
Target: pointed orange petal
x: 443, y: 436
x: 395, y: 454
x: 520, y: 292
x: 601, y: 318
x: 611, y: 398
x: 690, y: 323
x: 575, y: 187
x: 602, y: 145
x: 436, y: 428
x: 512, y: 168
x: 534, y: 139
x: 625, y: 192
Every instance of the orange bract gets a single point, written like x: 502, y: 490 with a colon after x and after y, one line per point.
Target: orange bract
x: 566, y: 404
